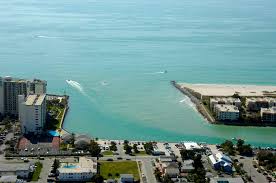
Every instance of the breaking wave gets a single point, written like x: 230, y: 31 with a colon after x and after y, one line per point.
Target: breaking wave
x: 188, y: 102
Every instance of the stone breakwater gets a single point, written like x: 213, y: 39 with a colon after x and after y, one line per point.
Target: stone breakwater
x: 199, y: 106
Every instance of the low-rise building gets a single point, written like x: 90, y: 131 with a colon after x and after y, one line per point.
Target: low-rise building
x: 226, y: 180
x: 191, y: 146
x: 72, y: 171
x: 21, y: 170
x: 171, y: 169
x: 9, y: 179
x: 225, y: 100
x: 126, y: 178
x: 168, y: 167
x: 255, y: 104
x: 221, y: 161
x: 226, y: 112
x: 187, y: 166
x: 268, y: 114
x: 82, y: 141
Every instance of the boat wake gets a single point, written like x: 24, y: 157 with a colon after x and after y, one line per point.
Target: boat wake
x: 160, y: 72
x: 76, y: 85
x: 104, y: 83
x: 47, y: 37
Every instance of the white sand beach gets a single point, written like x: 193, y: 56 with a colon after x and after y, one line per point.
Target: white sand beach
x: 229, y: 89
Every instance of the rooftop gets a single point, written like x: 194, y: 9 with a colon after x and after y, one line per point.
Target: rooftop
x: 271, y: 110
x: 129, y: 176
x: 8, y: 178
x: 83, y: 165
x: 226, y: 180
x: 226, y: 99
x: 226, y: 108
x: 11, y: 167
x: 35, y: 99
x: 191, y: 145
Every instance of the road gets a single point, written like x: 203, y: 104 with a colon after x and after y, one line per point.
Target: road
x: 148, y: 171
x: 251, y: 171
x: 47, y: 163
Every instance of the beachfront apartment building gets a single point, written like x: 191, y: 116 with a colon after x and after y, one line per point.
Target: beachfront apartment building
x: 225, y: 100
x: 268, y: 114
x: 255, y: 104
x: 82, y: 170
x: 11, y: 88
x: 225, y: 112
x: 32, y: 113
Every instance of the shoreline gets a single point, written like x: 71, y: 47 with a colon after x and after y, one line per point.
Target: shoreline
x: 200, y: 108
x: 196, y: 98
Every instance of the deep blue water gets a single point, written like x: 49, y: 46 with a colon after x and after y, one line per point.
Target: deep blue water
x: 117, y: 51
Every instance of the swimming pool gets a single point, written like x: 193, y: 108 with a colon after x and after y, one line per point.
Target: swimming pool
x: 70, y: 166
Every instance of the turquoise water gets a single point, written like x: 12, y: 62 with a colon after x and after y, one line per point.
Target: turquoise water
x: 116, y: 53
x: 70, y: 166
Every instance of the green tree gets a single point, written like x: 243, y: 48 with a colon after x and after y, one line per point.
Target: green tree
x: 95, y: 149
x: 228, y: 147
x: 187, y: 154
x: 199, y: 173
x: 113, y: 146
x: 236, y: 96
x: 97, y: 178
x: 240, y: 144
x: 128, y: 149
x: 148, y: 147
x: 135, y: 148
x: 56, y: 165
x: 244, y: 149
x: 167, y: 179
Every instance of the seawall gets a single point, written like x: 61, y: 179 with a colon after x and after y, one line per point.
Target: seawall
x: 199, y: 106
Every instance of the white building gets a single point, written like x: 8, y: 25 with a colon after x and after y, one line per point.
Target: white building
x: 191, y: 146
x: 10, y: 88
x: 225, y: 100
x: 268, y: 114
x: 255, y: 104
x: 32, y: 113
x: 226, y: 112
x: 83, y: 170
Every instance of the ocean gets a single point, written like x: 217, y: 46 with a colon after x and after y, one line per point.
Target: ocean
x: 121, y: 56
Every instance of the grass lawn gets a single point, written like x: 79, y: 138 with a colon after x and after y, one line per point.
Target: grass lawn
x: 118, y: 167
x: 141, y: 153
x: 59, y: 110
x: 37, y: 171
x: 107, y: 153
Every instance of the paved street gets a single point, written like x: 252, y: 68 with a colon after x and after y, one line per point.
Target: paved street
x: 47, y: 163
x: 251, y: 171
x: 148, y: 171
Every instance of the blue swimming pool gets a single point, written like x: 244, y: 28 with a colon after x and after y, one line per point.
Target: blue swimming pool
x: 70, y: 166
